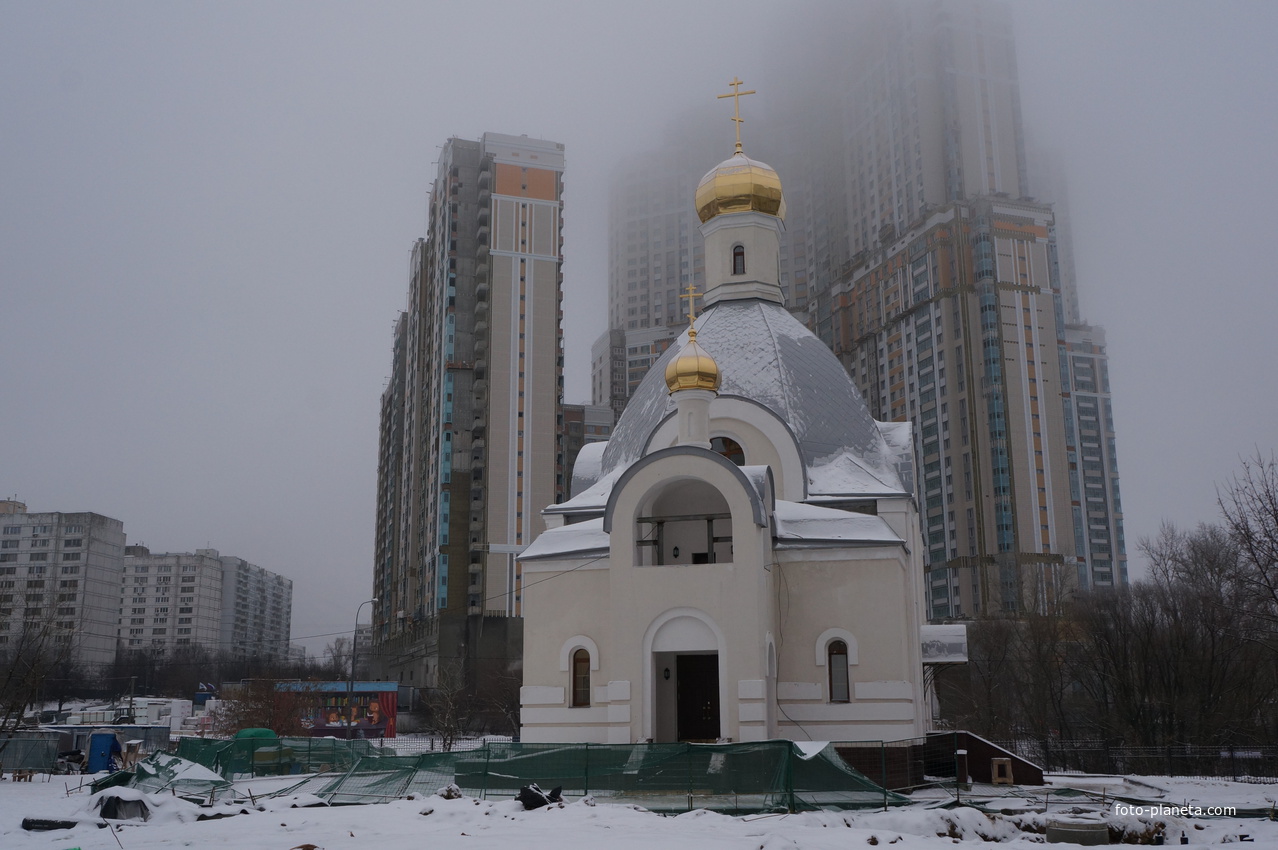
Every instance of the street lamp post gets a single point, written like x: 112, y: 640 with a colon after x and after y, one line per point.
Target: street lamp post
x: 350, y: 684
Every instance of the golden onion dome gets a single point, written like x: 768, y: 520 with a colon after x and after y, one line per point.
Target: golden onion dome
x: 693, y: 369
x: 740, y: 184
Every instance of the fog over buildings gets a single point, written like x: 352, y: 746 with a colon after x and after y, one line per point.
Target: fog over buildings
x: 207, y: 213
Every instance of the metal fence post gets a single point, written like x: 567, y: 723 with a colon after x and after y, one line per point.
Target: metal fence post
x: 483, y: 793
x: 789, y: 776
x: 585, y: 774
x: 687, y: 761
x: 883, y: 767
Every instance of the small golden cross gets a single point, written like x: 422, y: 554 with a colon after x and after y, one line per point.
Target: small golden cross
x: 692, y: 294
x: 736, y: 94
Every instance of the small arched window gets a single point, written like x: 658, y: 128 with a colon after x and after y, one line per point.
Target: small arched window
x: 729, y: 448
x: 837, y: 664
x: 581, y: 678
x: 738, y: 259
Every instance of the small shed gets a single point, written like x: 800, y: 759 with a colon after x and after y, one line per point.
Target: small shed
x: 104, y: 749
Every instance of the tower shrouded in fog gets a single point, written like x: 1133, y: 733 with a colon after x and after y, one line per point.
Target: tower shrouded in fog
x: 951, y: 311
x: 913, y: 249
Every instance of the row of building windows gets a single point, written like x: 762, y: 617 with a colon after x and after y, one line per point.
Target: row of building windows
x: 34, y: 557
x: 836, y: 664
x: 10, y: 530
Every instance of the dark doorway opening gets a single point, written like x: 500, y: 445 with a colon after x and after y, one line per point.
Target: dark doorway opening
x: 697, y: 695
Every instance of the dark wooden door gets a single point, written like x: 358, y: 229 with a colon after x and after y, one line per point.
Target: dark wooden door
x: 698, y: 697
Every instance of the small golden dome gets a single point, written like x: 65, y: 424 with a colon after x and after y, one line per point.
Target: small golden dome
x: 740, y: 184
x: 693, y: 369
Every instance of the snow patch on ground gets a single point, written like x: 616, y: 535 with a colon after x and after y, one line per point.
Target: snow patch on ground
x: 434, y: 821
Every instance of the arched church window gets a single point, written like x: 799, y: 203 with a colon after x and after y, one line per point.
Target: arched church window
x: 729, y: 448
x: 837, y: 663
x: 580, y: 678
x: 738, y: 259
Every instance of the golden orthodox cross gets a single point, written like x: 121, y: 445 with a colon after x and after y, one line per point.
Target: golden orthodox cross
x: 736, y: 94
x: 692, y: 294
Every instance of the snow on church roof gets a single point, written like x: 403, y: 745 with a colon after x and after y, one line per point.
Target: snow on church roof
x: 583, y: 539
x: 587, y: 468
x: 767, y: 356
x: 799, y: 524
x: 794, y: 524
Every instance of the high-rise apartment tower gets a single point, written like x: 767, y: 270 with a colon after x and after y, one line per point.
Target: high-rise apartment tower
x: 471, y: 420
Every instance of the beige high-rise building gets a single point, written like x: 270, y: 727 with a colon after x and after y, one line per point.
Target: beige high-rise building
x: 945, y: 253
x: 933, y: 112
x: 471, y: 425
x: 955, y: 328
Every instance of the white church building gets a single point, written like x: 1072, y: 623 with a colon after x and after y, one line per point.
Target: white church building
x: 742, y: 560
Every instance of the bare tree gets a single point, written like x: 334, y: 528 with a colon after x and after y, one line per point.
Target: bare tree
x: 1249, y: 503
x: 337, y: 657
x: 498, y: 697
x: 1044, y: 675
x: 183, y: 670
x: 448, y: 708
x: 65, y: 680
x: 1188, y: 655
x: 35, y: 648
x: 979, y: 694
x: 1173, y: 659
x: 259, y: 704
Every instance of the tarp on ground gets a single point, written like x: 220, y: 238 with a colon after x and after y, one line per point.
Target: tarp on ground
x: 165, y: 772
x: 115, y: 805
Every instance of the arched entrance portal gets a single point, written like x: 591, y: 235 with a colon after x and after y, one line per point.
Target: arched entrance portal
x: 686, y: 678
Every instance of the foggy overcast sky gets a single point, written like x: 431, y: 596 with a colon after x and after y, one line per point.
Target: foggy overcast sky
x: 206, y: 211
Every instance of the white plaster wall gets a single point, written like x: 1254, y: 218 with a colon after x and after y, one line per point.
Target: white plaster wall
x: 759, y: 234
x: 734, y: 596
x: 788, y: 598
x: 761, y: 435
x: 562, y: 599
x: 873, y: 600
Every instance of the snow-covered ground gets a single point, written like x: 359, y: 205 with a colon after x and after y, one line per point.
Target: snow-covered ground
x: 434, y: 822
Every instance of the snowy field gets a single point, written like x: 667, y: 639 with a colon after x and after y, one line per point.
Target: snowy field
x: 434, y: 822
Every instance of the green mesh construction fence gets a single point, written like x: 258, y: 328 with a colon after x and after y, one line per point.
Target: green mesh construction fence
x: 738, y: 778
x: 249, y: 757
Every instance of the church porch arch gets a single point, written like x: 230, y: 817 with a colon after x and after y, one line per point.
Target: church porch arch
x: 685, y: 683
